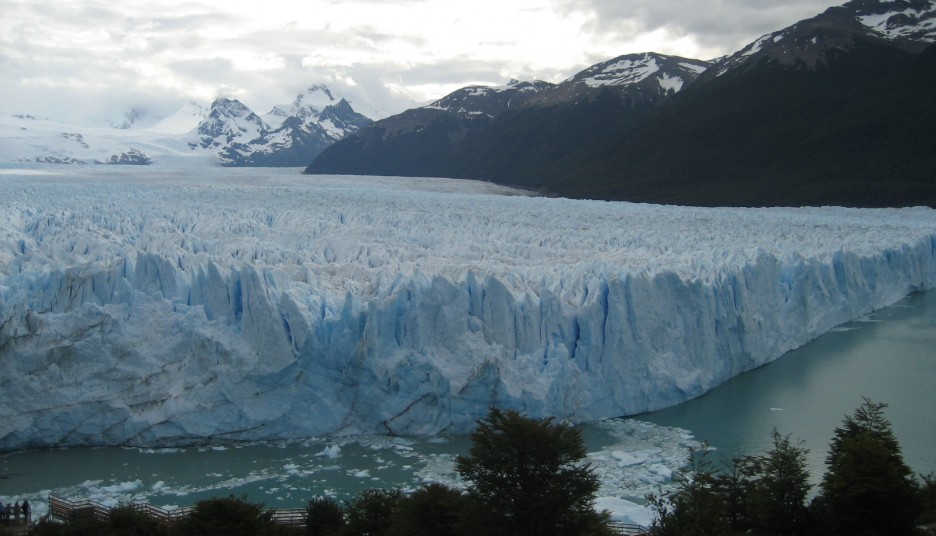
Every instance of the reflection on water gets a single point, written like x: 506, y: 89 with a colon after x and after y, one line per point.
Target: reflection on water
x: 886, y: 356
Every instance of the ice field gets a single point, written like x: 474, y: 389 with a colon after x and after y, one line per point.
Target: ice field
x: 160, y: 307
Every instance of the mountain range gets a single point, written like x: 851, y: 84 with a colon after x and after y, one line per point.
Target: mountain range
x: 836, y: 109
x: 227, y: 133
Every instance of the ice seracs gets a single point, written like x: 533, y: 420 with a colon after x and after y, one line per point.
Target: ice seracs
x: 159, y: 309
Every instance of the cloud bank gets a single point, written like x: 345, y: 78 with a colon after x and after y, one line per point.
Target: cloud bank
x: 92, y: 60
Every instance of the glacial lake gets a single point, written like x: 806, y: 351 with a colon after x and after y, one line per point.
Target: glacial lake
x: 888, y: 356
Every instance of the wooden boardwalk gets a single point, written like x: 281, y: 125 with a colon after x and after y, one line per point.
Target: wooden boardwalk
x: 62, y: 510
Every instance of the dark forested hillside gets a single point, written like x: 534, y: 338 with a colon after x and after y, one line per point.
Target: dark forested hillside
x: 858, y: 131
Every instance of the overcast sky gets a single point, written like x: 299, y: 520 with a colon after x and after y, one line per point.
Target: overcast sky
x: 79, y: 60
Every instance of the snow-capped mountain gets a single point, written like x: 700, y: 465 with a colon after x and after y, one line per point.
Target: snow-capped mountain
x: 131, y: 119
x: 906, y: 24
x: 227, y: 132
x: 489, y: 101
x: 228, y: 121
x: 289, y: 136
x: 459, y: 135
x: 655, y: 75
x: 309, y: 104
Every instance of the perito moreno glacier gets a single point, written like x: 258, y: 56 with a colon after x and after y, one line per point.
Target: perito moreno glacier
x: 164, y: 308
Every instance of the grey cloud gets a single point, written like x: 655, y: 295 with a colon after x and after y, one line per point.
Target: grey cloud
x: 725, y: 23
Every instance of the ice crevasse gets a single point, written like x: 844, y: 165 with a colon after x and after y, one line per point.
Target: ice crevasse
x: 170, y: 313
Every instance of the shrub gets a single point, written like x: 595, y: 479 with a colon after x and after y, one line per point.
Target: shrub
x: 229, y: 516
x: 369, y: 514
x: 324, y: 516
x: 432, y: 510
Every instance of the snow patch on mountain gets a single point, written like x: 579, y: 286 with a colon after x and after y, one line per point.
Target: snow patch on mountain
x: 910, y: 20
x: 622, y: 72
x: 159, y: 308
x: 654, y: 74
x: 183, y: 121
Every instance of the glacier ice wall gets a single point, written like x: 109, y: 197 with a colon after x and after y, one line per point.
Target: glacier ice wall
x: 158, y: 308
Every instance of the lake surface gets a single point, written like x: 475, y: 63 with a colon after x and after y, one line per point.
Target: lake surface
x: 887, y: 356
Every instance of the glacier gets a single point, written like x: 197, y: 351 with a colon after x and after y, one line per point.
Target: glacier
x: 166, y: 307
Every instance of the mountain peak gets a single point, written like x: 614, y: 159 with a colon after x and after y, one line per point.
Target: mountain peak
x: 229, y: 107
x: 633, y: 69
x: 228, y: 119
x: 317, y: 95
x: 907, y: 24
x: 488, y: 101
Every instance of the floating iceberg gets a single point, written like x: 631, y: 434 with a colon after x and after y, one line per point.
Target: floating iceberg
x: 163, y: 308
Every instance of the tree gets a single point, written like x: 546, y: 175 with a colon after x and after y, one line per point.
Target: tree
x: 698, y: 505
x: 369, y: 513
x: 927, y: 500
x: 781, y: 482
x: 432, y: 510
x: 867, y: 487
x: 324, y: 516
x: 529, y: 478
x: 735, y: 484
x: 759, y: 494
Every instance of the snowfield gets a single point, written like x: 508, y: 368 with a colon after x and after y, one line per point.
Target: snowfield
x: 165, y: 307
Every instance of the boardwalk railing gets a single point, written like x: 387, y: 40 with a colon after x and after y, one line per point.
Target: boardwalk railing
x: 628, y: 529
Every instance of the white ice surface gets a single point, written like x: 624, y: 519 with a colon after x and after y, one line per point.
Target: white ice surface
x: 25, y: 140
x: 160, y: 307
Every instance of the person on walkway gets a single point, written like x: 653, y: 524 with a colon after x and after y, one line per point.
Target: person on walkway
x: 17, y: 510
x: 27, y: 510
x: 3, y: 514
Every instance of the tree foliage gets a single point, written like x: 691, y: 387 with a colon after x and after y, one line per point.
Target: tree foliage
x: 754, y: 494
x: 867, y: 487
x: 230, y: 515
x: 781, y: 483
x: 528, y: 476
x: 433, y: 510
x: 324, y: 516
x: 698, y: 505
x: 369, y: 513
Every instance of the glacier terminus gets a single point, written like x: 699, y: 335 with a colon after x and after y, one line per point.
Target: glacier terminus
x: 159, y: 307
